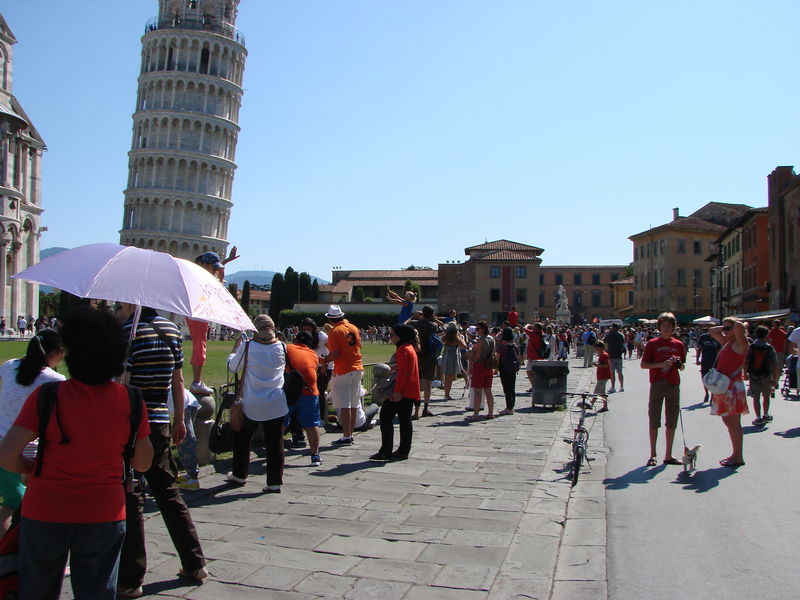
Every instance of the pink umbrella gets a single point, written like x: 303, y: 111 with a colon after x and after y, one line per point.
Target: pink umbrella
x: 142, y: 277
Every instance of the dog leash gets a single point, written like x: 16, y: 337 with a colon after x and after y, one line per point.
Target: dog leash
x: 683, y: 432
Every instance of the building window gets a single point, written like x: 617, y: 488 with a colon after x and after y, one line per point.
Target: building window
x: 681, y: 301
x: 521, y: 272
x: 697, y: 247
x: 522, y: 295
x: 630, y: 298
x: 576, y: 279
x: 541, y: 278
x: 577, y: 298
x: 541, y: 299
x: 559, y: 279
x: 681, y: 247
x: 494, y: 272
x: 698, y: 278
x: 595, y: 299
x: 614, y: 276
x: 681, y: 278
x: 595, y: 278
x: 494, y: 295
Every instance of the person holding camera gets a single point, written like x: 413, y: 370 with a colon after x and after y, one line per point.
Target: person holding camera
x: 665, y: 357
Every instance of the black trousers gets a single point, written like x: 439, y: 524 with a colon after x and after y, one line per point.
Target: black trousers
x: 403, y: 411
x: 323, y: 379
x: 161, y: 481
x: 509, y: 380
x: 273, y: 443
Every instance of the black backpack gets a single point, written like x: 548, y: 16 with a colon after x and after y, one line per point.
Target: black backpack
x: 48, y: 405
x: 759, y: 362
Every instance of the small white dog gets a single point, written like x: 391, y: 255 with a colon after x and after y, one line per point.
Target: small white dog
x: 690, y: 457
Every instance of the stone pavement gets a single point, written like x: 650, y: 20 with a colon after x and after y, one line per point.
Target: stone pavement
x: 481, y: 510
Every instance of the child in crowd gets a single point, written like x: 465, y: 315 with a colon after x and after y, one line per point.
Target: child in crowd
x: 603, y: 373
x: 187, y: 449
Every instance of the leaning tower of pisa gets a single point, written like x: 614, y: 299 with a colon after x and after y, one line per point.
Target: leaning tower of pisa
x: 185, y: 128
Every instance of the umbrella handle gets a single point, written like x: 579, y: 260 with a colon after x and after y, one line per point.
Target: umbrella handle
x: 134, y: 326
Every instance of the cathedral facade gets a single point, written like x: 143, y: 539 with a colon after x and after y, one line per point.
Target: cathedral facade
x: 21, y: 149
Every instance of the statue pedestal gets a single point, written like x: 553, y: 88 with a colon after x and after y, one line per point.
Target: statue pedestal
x: 564, y: 317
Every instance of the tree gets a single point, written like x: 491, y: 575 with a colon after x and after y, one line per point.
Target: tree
x: 315, y: 291
x: 291, y: 282
x: 629, y: 270
x: 410, y: 286
x: 277, y: 296
x: 304, y: 287
x: 48, y: 303
x: 233, y: 288
x: 245, y: 301
x: 358, y: 294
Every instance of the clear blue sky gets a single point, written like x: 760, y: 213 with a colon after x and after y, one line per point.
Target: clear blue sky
x: 377, y: 134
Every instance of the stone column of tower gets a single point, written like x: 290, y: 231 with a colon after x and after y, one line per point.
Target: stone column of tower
x: 185, y: 129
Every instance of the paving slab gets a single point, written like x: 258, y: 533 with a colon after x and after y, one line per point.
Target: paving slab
x: 480, y: 510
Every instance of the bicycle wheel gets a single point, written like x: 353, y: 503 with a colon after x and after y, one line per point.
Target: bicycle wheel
x: 577, y: 462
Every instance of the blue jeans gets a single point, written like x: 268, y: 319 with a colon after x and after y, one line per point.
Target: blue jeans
x: 187, y: 449
x: 93, y: 550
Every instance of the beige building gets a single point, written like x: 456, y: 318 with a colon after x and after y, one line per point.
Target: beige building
x: 185, y: 129
x: 622, y: 294
x: 21, y: 149
x: 374, y: 284
x: 670, y: 269
x: 588, y: 294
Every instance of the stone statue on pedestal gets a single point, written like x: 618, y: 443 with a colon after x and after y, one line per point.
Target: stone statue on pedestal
x: 563, y: 314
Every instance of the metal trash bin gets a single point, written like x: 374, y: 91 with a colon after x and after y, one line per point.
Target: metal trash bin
x: 549, y: 382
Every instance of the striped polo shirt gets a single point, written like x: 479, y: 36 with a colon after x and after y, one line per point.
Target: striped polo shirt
x: 151, y: 361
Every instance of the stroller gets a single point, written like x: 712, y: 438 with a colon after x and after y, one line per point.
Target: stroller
x: 790, y: 380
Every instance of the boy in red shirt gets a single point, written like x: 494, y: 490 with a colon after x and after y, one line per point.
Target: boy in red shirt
x: 603, y: 373
x: 664, y: 356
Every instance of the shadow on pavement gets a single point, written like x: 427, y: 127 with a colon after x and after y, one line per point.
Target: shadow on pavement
x: 638, y: 475
x: 344, y: 469
x: 703, y: 481
x: 789, y: 433
x: 697, y: 406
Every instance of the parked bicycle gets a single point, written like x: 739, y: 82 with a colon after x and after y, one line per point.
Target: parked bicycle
x: 580, y: 438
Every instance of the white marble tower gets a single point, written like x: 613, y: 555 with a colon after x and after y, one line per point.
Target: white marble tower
x: 185, y: 129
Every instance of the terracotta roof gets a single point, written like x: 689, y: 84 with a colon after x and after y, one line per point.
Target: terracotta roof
x: 626, y: 281
x: 255, y: 294
x: 326, y: 287
x: 395, y: 274
x: 683, y: 224
x: 504, y: 255
x: 575, y: 267
x: 504, y: 245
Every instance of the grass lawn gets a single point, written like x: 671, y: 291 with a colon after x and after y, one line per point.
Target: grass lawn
x: 214, y: 372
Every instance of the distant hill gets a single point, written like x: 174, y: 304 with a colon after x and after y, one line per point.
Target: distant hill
x: 259, y: 277
x: 47, y: 253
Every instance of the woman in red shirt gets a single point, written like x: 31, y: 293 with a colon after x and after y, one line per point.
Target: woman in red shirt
x: 731, y: 404
x: 405, y: 394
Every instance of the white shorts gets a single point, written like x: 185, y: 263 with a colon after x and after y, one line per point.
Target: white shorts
x: 529, y: 366
x: 345, y: 390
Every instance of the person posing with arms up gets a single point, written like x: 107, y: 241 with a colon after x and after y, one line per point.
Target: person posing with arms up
x: 732, y: 403
x: 665, y: 357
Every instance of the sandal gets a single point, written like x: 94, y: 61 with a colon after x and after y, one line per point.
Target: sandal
x: 473, y: 418
x: 651, y: 462
x: 672, y: 461
x: 727, y: 462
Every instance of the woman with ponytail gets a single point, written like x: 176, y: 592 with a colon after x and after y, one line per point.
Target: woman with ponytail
x: 20, y: 376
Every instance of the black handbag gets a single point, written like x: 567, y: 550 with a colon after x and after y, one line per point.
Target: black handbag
x: 220, y: 438
x: 293, y: 382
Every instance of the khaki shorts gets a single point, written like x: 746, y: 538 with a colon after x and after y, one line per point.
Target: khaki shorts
x: 668, y: 395
x: 761, y: 387
x: 345, y: 390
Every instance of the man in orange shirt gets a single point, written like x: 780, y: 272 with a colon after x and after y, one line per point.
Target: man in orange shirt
x: 344, y: 350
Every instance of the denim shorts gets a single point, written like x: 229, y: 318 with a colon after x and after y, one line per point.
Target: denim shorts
x: 307, y: 409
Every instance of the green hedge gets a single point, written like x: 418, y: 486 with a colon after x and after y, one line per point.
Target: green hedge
x: 287, y: 318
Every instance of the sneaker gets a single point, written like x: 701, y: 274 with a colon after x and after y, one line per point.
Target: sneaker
x: 380, y: 456
x: 316, y: 460
x: 271, y: 489
x: 612, y: 391
x: 135, y: 592
x: 198, y: 387
x: 506, y: 411
x: 767, y: 418
x: 621, y: 389
x: 183, y: 477
x: 189, y: 484
x: 231, y: 478
x: 344, y: 441
x: 758, y: 421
